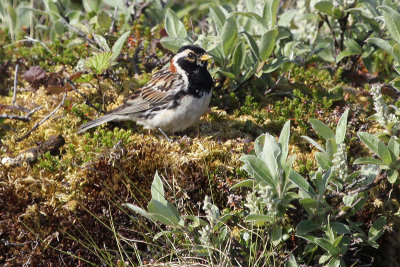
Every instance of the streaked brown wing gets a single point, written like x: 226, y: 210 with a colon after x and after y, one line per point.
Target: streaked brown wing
x: 158, y: 91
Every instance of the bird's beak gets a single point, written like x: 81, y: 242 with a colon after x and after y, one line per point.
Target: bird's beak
x: 205, y: 57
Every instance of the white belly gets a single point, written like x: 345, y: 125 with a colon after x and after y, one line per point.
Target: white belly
x: 175, y: 120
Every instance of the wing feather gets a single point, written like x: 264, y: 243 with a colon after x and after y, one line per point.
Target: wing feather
x: 160, y: 90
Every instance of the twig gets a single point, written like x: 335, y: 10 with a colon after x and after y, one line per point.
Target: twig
x: 15, y: 117
x: 25, y: 118
x: 81, y: 34
x: 15, y: 86
x: 113, y: 20
x: 87, y: 101
x: 44, y: 119
x: 379, y: 178
x: 142, y: 8
x: 37, y: 41
x: 135, y: 60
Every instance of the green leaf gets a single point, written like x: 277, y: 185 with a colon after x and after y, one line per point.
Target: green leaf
x: 353, y: 46
x: 312, y: 142
x: 228, y: 74
x: 173, y: 25
x: 392, y: 19
x: 396, y: 52
x: 394, y: 146
x: 218, y: 14
x: 239, y: 57
x: 258, y: 218
x: 322, y: 129
x: 343, y: 54
x: 327, y: 246
x: 308, y: 203
x: 245, y: 183
x: 325, y: 7
x: 267, y: 44
x: 331, y: 148
x: 99, y: 62
x: 323, y: 160
x: 270, y: 155
x: 258, y: 169
x: 341, y: 128
x: 104, y: 20
x: 376, y: 231
x: 173, y: 43
x: 163, y: 213
x: 252, y: 44
x: 269, y: 13
x: 139, y: 210
x: 102, y: 42
x: 302, y: 183
x: 379, y: 148
x: 91, y: 5
x: 369, y: 161
x: 381, y: 43
x: 340, y: 228
x: 286, y: 17
x: 305, y: 227
x: 392, y: 176
x: 229, y: 36
x: 117, y: 47
x: 291, y: 262
x: 276, y: 235
x: 157, y: 189
x: 284, y: 141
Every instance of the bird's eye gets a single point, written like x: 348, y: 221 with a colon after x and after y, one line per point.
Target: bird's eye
x: 191, y: 56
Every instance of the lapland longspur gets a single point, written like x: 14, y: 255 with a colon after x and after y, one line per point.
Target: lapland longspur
x: 172, y: 100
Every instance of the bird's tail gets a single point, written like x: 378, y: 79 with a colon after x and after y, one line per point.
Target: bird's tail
x: 97, y: 122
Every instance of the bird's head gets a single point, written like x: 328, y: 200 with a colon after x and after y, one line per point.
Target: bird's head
x: 188, y: 58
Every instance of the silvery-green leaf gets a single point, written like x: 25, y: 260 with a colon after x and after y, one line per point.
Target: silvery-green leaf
x: 258, y: 169
x: 103, y: 20
x: 157, y: 189
x: 173, y: 26
x: 392, y: 19
x: 252, y: 43
x: 341, y: 127
x: 269, y: 12
x: 287, y: 17
x: 322, y: 129
x: 343, y: 54
x: 91, y: 5
x: 270, y: 155
x: 173, y: 43
x: 166, y: 214
x: 323, y: 160
x: 117, y: 47
x: 369, y: 161
x: 267, y: 44
x: 302, y: 183
x: 396, y: 52
x: 353, y: 46
x: 101, y: 42
x: 325, y: 7
x: 218, y: 15
x: 229, y: 36
x: 284, y: 141
x: 381, y: 43
x: 376, y: 230
x: 305, y: 227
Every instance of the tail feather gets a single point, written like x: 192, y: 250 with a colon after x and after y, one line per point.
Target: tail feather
x: 96, y: 122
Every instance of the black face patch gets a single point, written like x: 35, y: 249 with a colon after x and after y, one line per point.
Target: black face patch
x: 194, y: 48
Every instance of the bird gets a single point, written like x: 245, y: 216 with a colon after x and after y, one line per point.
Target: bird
x: 174, y: 98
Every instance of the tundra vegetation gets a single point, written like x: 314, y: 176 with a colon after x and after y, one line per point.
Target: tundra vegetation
x: 296, y: 163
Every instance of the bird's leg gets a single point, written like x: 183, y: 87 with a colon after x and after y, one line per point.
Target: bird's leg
x: 165, y: 135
